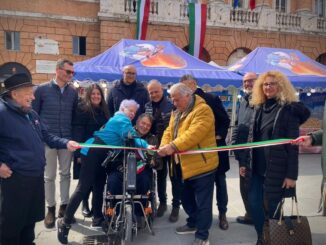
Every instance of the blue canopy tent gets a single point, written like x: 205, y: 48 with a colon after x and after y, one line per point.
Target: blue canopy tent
x: 302, y: 71
x: 160, y: 60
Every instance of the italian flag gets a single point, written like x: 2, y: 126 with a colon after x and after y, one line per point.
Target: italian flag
x: 197, y: 28
x: 142, y: 18
x: 252, y: 4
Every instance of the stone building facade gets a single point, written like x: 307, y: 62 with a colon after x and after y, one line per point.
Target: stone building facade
x: 35, y: 33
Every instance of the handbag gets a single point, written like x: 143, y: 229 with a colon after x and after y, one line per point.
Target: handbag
x: 288, y: 230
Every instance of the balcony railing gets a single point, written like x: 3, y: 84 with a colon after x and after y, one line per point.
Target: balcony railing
x: 184, y: 11
x: 243, y: 16
x: 321, y: 24
x: 219, y: 14
x: 286, y: 20
x: 130, y: 6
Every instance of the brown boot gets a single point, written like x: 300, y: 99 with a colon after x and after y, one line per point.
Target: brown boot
x: 49, y: 220
x: 224, y: 225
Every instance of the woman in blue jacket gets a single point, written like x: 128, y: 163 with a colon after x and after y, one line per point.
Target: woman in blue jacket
x: 92, y: 174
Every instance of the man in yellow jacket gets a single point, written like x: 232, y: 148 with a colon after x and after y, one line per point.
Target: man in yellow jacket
x: 192, y: 127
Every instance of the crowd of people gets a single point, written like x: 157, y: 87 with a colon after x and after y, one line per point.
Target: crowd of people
x: 40, y: 129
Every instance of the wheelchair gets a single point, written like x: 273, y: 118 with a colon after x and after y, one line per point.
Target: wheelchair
x: 121, y: 224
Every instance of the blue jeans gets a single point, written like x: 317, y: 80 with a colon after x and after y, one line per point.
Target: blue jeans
x: 197, y: 199
x: 221, y: 192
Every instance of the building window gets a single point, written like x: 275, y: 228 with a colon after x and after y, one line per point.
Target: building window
x: 280, y: 6
x: 320, y: 7
x: 79, y: 45
x: 12, y: 40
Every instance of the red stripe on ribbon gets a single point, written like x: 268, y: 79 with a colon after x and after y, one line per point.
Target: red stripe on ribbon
x: 144, y: 23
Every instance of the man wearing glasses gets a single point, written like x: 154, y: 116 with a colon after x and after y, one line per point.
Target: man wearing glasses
x: 239, y: 136
x: 55, y: 102
x: 128, y: 88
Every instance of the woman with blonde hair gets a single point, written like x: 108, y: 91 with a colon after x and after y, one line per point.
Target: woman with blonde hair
x: 273, y: 170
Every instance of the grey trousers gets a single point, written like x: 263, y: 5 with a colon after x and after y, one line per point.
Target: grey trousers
x: 63, y: 157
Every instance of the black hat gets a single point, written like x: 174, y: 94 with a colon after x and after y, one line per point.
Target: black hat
x: 17, y: 80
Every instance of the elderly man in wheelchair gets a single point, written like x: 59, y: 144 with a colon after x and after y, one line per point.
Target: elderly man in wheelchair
x: 130, y: 200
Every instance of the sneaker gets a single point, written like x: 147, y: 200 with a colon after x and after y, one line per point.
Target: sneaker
x: 161, y: 209
x: 174, y: 216
x: 200, y: 242
x: 224, y: 225
x: 86, y: 212
x: 185, y: 230
x: 63, y: 231
x: 49, y: 221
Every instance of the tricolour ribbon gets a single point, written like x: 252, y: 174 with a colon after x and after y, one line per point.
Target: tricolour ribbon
x: 202, y: 150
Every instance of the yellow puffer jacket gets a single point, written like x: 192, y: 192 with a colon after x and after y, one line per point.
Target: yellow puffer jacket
x: 196, y: 130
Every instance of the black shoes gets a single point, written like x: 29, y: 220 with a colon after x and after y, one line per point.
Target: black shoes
x: 174, y: 216
x: 63, y: 231
x: 49, y: 220
x: 246, y: 220
x: 161, y: 209
x: 223, y: 222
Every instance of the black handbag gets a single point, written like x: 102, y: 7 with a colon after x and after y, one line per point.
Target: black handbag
x: 288, y: 230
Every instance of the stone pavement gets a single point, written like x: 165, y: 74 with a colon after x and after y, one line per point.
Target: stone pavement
x: 308, y: 190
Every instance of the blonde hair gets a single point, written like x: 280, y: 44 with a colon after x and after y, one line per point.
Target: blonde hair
x: 286, y: 92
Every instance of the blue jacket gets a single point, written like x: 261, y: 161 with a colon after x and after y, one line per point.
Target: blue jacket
x: 55, y: 108
x: 115, y: 132
x: 22, y: 137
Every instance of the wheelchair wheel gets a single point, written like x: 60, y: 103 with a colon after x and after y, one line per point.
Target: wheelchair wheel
x: 128, y: 224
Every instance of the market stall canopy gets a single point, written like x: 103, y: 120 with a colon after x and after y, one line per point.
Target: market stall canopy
x: 160, y: 60
x: 302, y: 71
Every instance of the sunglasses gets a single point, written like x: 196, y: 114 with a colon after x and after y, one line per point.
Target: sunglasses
x: 68, y: 72
x: 130, y: 73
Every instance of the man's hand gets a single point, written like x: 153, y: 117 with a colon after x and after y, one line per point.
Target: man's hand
x: 303, y: 140
x: 166, y: 150
x: 242, y: 171
x: 5, y: 171
x: 288, y: 183
x: 72, y: 145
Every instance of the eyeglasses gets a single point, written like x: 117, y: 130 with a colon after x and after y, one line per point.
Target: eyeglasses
x: 249, y: 81
x: 130, y: 73
x: 269, y: 84
x: 68, y: 72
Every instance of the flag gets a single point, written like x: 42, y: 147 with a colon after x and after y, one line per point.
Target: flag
x: 142, y: 18
x: 252, y: 4
x: 197, y: 28
x: 235, y: 3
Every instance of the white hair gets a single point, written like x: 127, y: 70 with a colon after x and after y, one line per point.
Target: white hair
x: 125, y: 104
x: 180, y: 88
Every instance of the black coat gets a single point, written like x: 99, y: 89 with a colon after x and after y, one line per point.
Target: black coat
x: 282, y: 160
x: 222, y: 123
x: 120, y: 92
x: 84, y: 124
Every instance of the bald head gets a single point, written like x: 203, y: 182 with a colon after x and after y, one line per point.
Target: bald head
x: 155, y: 90
x: 129, y: 74
x: 248, y: 81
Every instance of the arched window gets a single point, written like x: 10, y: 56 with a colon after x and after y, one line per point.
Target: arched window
x: 322, y: 59
x: 237, y: 54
